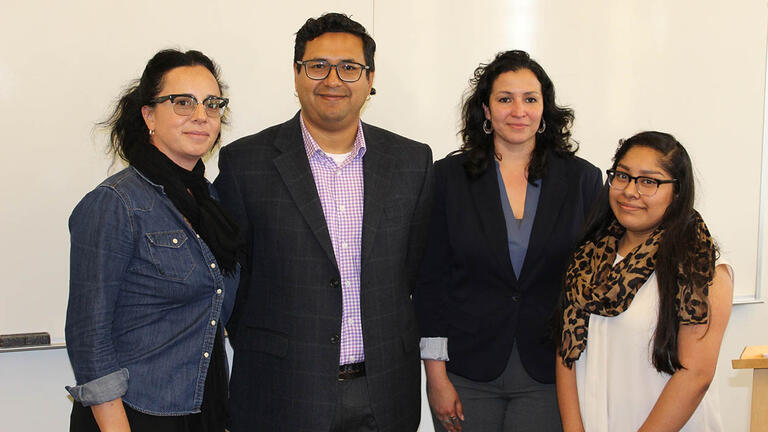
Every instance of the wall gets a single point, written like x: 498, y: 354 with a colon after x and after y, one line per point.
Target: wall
x: 693, y: 68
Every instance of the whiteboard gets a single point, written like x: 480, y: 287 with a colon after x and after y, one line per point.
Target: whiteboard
x: 695, y: 69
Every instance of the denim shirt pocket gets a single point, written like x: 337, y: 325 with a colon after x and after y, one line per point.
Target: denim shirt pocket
x: 170, y: 254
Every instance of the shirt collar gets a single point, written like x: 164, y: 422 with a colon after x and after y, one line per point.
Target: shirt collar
x: 311, y: 146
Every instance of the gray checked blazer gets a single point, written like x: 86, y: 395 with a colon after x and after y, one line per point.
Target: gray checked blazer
x: 287, y: 319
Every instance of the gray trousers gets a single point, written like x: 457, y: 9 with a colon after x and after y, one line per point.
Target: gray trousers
x: 512, y: 402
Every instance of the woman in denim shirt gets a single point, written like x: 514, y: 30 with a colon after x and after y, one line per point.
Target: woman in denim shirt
x: 154, y: 263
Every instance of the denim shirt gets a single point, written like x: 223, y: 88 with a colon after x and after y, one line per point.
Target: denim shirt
x: 145, y: 299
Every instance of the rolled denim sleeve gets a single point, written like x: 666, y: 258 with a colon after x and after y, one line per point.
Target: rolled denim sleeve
x: 102, y: 243
x: 434, y: 348
x: 100, y: 390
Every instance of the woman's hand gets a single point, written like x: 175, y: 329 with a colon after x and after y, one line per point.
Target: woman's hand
x: 110, y: 416
x: 443, y: 398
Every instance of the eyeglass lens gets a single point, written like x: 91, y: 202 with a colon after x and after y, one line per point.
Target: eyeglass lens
x: 319, y: 70
x: 186, y: 105
x: 645, y: 185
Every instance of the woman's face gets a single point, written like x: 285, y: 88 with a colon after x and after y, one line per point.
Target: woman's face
x: 515, y: 108
x: 641, y: 214
x: 184, y: 139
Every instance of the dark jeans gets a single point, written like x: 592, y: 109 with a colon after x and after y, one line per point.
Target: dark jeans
x: 81, y: 420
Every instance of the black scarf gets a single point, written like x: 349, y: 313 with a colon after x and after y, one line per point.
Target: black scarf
x: 190, y: 193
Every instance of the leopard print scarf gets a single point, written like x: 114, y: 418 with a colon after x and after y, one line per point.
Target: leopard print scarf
x: 594, y: 285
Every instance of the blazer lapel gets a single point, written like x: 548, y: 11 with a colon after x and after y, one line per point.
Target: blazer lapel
x: 378, y: 166
x: 553, y: 193
x: 487, y: 201
x: 294, y: 169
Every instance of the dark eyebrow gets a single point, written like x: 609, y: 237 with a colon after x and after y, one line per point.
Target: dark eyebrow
x: 193, y: 96
x: 642, y: 172
x: 349, y: 60
x: 525, y: 93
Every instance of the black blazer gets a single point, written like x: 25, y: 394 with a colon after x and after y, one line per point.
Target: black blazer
x: 467, y: 290
x: 287, y: 318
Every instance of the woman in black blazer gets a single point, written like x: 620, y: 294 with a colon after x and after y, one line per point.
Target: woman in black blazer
x: 508, y: 207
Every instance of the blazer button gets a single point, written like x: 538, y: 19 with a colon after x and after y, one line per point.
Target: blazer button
x: 335, y: 339
x: 335, y: 283
x: 515, y: 298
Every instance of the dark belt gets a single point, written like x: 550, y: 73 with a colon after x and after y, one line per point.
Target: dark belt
x: 352, y: 370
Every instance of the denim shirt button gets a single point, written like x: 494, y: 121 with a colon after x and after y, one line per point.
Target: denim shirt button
x: 219, y: 291
x: 205, y: 354
x: 175, y: 241
x: 213, y: 322
x: 213, y: 265
x: 197, y: 235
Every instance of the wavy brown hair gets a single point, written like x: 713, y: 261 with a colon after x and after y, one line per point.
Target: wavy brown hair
x: 478, y: 146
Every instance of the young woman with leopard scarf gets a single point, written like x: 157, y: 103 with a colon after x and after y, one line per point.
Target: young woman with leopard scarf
x: 645, y: 305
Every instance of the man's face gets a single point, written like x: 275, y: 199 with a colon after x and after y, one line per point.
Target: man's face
x: 332, y: 104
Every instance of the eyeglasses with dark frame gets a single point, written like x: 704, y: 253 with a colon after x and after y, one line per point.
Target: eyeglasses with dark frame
x: 186, y: 104
x: 646, y: 186
x: 347, y: 71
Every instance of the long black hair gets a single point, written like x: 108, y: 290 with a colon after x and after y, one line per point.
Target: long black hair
x: 128, y: 131
x: 676, y: 244
x: 478, y: 146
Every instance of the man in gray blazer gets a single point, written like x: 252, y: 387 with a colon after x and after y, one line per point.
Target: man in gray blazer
x: 334, y: 212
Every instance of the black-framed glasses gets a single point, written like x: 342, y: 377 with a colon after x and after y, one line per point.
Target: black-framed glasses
x: 646, y: 186
x: 186, y: 104
x: 347, y: 71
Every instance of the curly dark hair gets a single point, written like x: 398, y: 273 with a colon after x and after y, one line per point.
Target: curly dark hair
x: 128, y: 132
x: 333, y: 22
x: 478, y: 146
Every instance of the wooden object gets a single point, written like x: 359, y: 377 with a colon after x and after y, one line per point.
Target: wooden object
x: 752, y: 358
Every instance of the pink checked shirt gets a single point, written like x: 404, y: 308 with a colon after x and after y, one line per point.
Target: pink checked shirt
x: 340, y: 187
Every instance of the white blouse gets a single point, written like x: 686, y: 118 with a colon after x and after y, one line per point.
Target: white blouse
x: 617, y: 383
